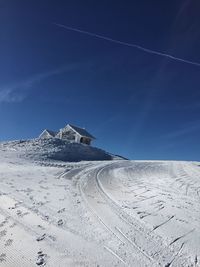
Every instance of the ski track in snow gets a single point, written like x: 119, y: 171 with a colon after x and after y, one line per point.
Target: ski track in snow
x: 103, y: 213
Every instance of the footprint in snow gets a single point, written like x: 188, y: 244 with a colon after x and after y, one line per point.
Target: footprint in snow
x: 19, y: 213
x: 3, y: 233
x: 41, y: 260
x: 40, y: 226
x: 40, y: 238
x: 8, y: 242
x: 3, y: 223
x: 60, y: 222
x: 61, y: 210
x: 12, y: 208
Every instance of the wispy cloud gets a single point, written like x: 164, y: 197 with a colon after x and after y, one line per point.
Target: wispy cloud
x: 18, y: 91
x: 188, y: 129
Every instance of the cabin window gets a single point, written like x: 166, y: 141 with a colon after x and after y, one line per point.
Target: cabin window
x: 85, y: 141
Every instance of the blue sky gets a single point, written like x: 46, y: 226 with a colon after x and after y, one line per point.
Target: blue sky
x: 137, y: 104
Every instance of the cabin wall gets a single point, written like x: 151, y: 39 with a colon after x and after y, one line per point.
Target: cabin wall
x: 67, y: 134
x: 78, y: 138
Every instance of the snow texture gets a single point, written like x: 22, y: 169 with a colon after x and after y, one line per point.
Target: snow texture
x: 95, y: 213
x: 56, y: 149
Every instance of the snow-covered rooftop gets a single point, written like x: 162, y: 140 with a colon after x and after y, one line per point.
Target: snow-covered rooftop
x: 52, y: 133
x: 81, y: 131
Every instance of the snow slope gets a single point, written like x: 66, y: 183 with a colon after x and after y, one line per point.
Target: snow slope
x: 97, y: 213
x: 55, y: 149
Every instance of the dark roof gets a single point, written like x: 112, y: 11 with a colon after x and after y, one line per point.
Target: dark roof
x: 52, y: 133
x: 81, y: 131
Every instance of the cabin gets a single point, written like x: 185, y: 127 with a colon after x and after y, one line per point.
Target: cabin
x: 75, y: 134
x: 47, y: 134
x: 70, y: 133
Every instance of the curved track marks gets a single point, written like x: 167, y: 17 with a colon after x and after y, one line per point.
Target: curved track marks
x: 146, y: 232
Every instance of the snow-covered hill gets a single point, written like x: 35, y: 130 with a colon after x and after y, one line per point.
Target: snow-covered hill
x: 96, y: 213
x: 55, y: 149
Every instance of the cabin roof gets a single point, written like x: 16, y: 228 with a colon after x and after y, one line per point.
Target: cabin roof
x: 81, y: 131
x: 52, y: 133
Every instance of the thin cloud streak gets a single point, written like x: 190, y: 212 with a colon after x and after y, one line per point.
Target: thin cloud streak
x: 147, y: 50
x: 17, y: 92
x: 188, y: 129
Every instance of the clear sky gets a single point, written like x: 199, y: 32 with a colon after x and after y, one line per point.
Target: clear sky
x: 138, y: 104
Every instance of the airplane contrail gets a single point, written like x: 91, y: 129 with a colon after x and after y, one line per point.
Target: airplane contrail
x: 150, y: 51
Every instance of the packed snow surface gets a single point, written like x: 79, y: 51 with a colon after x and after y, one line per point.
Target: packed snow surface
x: 96, y: 213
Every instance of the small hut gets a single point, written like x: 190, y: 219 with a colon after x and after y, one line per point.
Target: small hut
x: 75, y: 134
x: 47, y: 134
